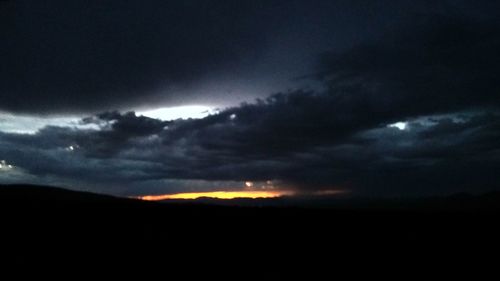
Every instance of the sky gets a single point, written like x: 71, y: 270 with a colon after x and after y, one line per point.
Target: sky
x: 140, y: 98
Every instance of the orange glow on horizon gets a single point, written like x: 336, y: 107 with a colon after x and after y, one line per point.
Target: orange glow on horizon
x: 220, y: 195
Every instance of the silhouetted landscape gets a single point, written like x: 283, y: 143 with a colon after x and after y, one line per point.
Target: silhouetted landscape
x: 45, y: 224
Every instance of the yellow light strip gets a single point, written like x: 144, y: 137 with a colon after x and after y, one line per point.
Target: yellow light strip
x: 219, y: 195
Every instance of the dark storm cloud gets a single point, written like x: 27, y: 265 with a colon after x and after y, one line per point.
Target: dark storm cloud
x: 116, y: 131
x: 437, y: 75
x: 90, y: 56
x: 440, y: 64
x: 47, y: 156
x: 87, y: 55
x: 442, y: 153
x: 445, y: 154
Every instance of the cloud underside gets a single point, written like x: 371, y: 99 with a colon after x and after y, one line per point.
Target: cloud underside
x: 439, y: 77
x: 85, y: 56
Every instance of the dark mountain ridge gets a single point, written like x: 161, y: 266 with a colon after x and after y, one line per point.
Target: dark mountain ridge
x: 45, y: 225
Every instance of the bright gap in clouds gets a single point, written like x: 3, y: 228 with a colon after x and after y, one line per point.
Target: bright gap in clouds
x: 179, y: 112
x: 400, y: 125
x: 27, y: 124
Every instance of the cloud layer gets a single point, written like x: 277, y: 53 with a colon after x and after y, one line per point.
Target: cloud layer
x: 438, y: 76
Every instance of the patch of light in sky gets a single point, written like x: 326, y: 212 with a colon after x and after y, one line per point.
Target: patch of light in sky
x: 179, y: 112
x: 25, y: 124
x: 399, y: 125
x: 4, y: 166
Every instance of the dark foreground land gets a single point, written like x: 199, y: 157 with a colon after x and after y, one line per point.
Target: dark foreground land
x: 55, y: 227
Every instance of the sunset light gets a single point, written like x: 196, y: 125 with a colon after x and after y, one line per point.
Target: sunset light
x: 219, y: 195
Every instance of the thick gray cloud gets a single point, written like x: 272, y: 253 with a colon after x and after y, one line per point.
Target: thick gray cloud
x: 441, y: 153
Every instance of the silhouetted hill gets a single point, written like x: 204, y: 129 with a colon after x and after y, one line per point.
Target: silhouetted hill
x: 460, y: 202
x: 32, y: 194
x: 46, y: 196
x: 44, y: 225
